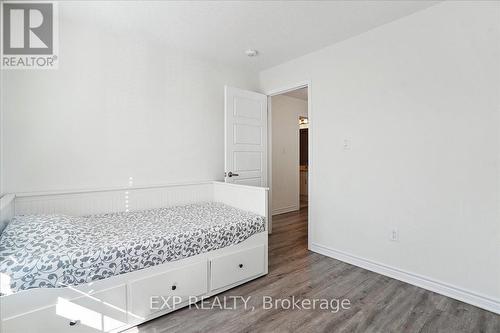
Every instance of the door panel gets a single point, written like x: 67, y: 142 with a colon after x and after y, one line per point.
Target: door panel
x: 247, y: 107
x: 247, y: 161
x: 245, y: 137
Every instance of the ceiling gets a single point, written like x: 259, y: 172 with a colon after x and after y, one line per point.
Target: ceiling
x: 298, y: 93
x: 223, y: 30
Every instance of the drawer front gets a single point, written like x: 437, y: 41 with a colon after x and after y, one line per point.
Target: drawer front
x: 159, y: 292
x: 99, y: 312
x: 232, y: 268
x: 48, y: 320
x: 111, y: 304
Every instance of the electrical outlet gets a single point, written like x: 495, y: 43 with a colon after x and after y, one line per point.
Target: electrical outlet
x: 394, y: 236
x: 347, y: 144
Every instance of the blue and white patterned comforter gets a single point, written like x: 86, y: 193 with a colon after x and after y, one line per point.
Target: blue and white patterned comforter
x: 51, y: 251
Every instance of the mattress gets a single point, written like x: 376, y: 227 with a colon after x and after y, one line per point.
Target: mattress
x: 53, y: 251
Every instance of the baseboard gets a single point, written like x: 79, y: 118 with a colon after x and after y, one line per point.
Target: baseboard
x: 445, y: 289
x: 284, y: 210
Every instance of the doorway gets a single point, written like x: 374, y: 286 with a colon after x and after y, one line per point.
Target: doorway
x: 289, y: 152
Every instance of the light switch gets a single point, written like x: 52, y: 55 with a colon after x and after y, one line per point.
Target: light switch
x: 394, y: 236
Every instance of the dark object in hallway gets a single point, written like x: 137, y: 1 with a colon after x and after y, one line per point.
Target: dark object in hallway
x: 304, y: 146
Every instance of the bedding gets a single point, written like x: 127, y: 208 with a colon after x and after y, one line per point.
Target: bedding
x: 52, y: 251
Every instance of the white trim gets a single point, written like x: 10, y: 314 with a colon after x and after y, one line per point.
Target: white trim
x: 288, y: 88
x: 284, y: 210
x: 310, y: 164
x: 310, y: 170
x: 421, y: 281
x: 270, y: 162
x: 297, y: 162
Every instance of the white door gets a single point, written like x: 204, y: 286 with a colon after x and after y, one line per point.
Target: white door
x: 245, y: 137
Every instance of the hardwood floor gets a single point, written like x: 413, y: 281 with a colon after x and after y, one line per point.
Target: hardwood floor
x: 378, y: 303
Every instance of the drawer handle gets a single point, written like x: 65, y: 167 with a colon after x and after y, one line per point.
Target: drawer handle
x: 174, y: 287
x: 240, y: 265
x: 74, y: 322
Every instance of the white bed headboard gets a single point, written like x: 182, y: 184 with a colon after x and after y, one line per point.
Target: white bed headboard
x: 7, y: 210
x: 77, y: 203
x: 112, y: 200
x: 250, y: 198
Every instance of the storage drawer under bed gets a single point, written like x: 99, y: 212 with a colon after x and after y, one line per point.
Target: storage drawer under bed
x: 159, y: 292
x: 94, y: 312
x: 235, y: 267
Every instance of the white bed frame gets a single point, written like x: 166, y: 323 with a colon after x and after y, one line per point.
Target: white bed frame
x: 123, y: 301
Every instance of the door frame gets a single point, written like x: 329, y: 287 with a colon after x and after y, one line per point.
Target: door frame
x: 273, y: 92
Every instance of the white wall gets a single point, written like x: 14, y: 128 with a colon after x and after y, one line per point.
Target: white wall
x: 419, y: 100
x: 119, y: 106
x: 285, y: 152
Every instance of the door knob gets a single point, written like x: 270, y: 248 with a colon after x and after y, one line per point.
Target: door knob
x: 231, y: 174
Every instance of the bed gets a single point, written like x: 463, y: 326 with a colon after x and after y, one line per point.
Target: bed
x: 52, y: 251
x: 94, y: 261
